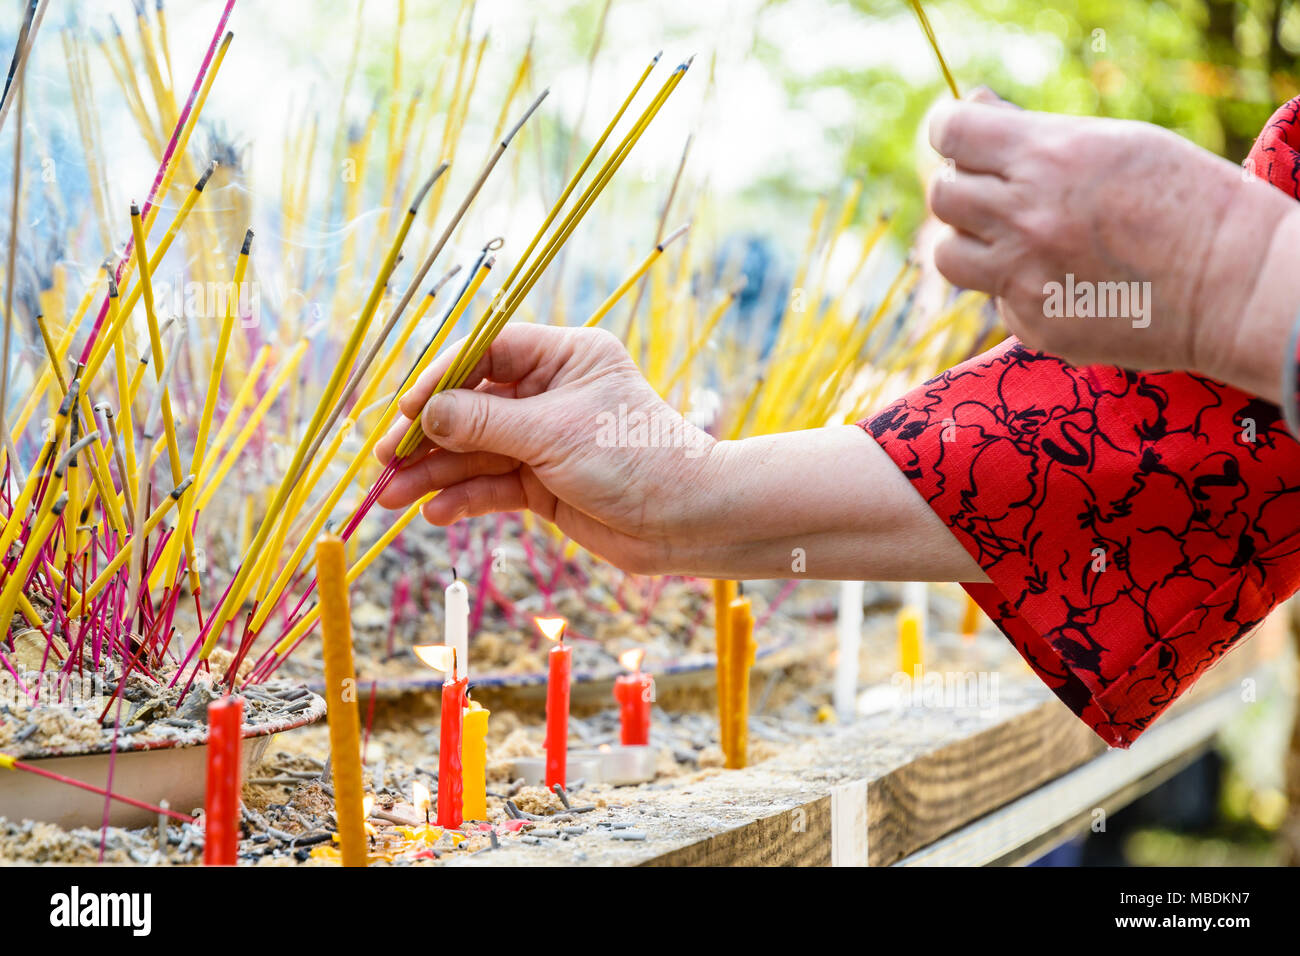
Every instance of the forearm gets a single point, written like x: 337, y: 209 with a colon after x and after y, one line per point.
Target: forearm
x: 824, y: 503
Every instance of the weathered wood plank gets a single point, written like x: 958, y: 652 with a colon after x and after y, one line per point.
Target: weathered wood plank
x: 924, y: 773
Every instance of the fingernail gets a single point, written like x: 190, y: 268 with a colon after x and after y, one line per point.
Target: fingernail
x: 438, y: 415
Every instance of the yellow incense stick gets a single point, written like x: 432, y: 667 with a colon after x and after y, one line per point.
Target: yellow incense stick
x: 147, y: 526
x: 321, y: 611
x: 934, y: 45
x: 42, y: 528
x: 635, y: 277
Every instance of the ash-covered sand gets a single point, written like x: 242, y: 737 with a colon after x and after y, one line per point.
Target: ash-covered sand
x: 524, y: 574
x: 288, y: 809
x: 147, y: 714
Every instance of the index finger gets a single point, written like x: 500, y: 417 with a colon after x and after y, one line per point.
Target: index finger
x: 979, y: 137
x: 515, y: 353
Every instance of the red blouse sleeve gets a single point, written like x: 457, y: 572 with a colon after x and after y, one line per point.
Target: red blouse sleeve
x: 1135, y: 526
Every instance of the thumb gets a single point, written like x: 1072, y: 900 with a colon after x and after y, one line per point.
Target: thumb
x: 465, y: 420
x: 985, y: 95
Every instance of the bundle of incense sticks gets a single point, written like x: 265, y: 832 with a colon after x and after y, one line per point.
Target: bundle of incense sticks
x: 113, y: 512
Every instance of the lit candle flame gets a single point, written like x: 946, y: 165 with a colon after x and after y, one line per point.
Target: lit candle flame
x: 367, y: 805
x: 551, y: 627
x: 441, y: 657
x: 632, y: 659
x: 421, y: 799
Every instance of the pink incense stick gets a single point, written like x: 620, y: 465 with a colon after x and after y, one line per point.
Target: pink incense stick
x: 162, y: 168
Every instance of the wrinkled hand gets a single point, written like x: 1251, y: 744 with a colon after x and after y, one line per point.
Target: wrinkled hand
x: 1032, y: 196
x: 536, y: 426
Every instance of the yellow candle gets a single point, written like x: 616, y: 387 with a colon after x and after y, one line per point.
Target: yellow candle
x: 341, y: 700
x: 740, y: 656
x: 910, y: 646
x: 473, y: 760
x: 724, y: 592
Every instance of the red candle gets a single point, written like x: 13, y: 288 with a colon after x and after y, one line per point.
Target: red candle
x: 451, y: 782
x: 221, y: 807
x: 557, y: 700
x: 634, y: 692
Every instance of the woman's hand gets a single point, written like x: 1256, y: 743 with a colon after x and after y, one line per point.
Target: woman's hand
x: 560, y: 421
x: 1199, y: 247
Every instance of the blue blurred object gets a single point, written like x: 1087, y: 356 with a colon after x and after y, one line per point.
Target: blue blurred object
x: 1069, y: 853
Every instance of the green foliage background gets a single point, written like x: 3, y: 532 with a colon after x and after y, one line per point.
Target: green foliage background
x: 1211, y: 70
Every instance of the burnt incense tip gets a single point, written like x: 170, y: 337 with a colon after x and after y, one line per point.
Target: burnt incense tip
x: 454, y: 575
x: 427, y: 185
x: 673, y: 236
x: 505, y: 140
x: 180, y: 489
x: 117, y: 30
x: 60, y: 504
x: 445, y: 279
x: 657, y: 56
x: 248, y: 243
x: 207, y: 174
x: 494, y: 244
x: 135, y: 208
x: 112, y: 284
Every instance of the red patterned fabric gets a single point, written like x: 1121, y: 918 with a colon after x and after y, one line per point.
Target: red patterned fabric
x: 1274, y: 156
x: 1135, y: 526
x: 1277, y: 159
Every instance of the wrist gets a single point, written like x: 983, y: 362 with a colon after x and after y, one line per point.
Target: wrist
x: 1246, y: 343
x: 761, y: 502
